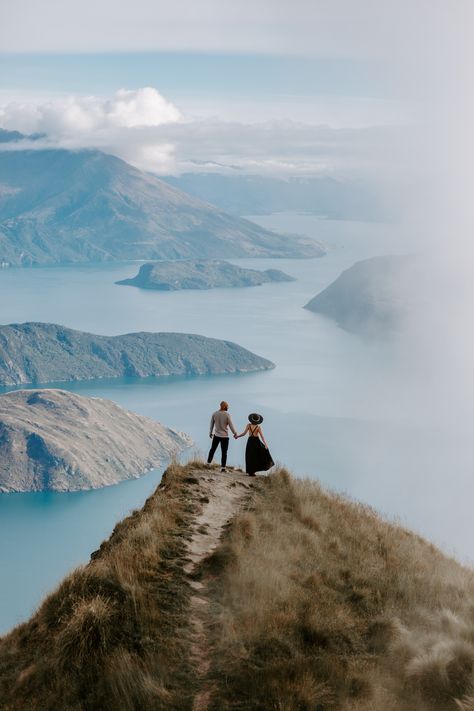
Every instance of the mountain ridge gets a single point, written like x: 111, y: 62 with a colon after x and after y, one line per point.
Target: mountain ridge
x: 225, y: 592
x: 45, y: 353
x: 249, y: 194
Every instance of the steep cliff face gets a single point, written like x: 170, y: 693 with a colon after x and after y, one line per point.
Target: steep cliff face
x: 200, y: 274
x: 52, y: 440
x: 45, y: 353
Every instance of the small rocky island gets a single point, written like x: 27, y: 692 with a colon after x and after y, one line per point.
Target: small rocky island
x: 200, y: 274
x: 52, y: 440
x: 371, y: 296
x: 46, y: 353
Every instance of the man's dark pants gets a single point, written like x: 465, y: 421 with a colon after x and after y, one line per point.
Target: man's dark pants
x: 216, y: 441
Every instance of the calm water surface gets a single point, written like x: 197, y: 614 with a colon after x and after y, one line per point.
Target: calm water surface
x: 319, y: 416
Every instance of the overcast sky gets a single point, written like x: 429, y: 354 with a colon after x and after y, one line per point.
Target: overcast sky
x: 98, y: 72
x: 317, y: 27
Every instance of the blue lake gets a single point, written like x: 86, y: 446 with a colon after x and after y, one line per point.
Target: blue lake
x: 320, y: 418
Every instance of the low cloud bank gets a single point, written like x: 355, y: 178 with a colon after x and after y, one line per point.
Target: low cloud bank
x: 73, y: 116
x: 147, y: 130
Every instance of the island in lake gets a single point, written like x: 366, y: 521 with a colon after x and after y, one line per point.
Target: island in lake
x: 52, y: 440
x: 200, y: 274
x: 46, y: 353
x: 371, y: 296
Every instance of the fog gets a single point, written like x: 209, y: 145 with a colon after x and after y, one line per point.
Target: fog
x: 428, y: 380
x: 436, y: 348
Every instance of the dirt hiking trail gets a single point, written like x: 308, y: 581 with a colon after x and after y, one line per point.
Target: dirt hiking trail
x: 222, y: 495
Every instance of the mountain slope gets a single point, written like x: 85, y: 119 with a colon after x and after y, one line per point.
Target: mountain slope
x: 309, y: 602
x: 372, y: 295
x: 46, y: 352
x: 60, y: 206
x: 261, y: 195
x: 52, y: 440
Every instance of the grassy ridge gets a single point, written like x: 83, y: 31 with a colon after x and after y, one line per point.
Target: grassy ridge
x: 315, y: 604
x: 319, y: 604
x: 114, y: 635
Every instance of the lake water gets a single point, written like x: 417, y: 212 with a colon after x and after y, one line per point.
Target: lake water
x: 320, y: 419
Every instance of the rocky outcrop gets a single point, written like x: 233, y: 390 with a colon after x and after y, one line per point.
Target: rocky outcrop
x: 372, y: 295
x: 46, y: 353
x: 52, y: 440
x: 62, y: 206
x: 200, y: 274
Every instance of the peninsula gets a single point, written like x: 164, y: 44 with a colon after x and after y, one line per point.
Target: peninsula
x: 53, y: 440
x: 46, y: 353
x: 372, y: 295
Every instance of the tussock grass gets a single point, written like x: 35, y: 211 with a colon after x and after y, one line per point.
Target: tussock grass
x: 319, y: 604
x: 316, y: 604
x: 114, y: 636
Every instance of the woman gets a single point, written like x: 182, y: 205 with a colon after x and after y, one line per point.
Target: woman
x: 257, y: 456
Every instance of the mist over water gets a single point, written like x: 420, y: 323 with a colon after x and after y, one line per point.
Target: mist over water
x: 435, y: 179
x: 333, y: 406
x: 428, y: 379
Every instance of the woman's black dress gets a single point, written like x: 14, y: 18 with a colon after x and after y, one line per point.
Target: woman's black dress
x: 257, y: 456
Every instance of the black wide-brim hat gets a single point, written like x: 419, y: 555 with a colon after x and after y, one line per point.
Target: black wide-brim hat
x: 255, y: 418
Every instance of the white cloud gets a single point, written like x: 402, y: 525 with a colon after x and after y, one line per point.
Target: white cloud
x: 148, y: 131
x: 83, y: 115
x: 143, y: 107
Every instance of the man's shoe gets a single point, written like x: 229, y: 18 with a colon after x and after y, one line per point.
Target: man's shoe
x: 223, y: 469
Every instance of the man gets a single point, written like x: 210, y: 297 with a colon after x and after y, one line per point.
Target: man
x: 220, y: 421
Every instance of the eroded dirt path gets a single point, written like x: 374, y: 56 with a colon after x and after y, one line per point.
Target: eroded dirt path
x: 221, y: 495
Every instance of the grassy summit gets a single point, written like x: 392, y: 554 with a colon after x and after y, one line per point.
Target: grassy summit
x: 309, y: 601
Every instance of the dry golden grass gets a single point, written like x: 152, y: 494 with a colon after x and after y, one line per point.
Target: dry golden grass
x: 316, y: 604
x: 319, y: 604
x: 114, y: 636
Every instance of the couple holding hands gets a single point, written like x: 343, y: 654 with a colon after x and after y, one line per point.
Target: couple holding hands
x: 257, y: 456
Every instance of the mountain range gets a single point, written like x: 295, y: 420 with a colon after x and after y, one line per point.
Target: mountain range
x: 327, y: 196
